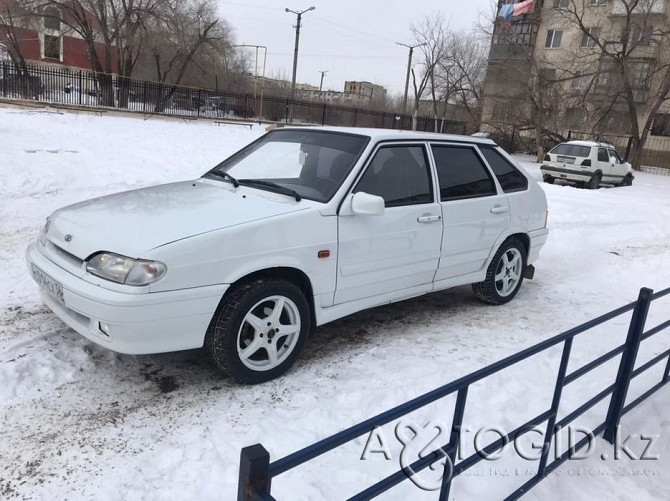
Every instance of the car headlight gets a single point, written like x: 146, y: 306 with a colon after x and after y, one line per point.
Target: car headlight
x: 125, y: 270
x: 42, y: 237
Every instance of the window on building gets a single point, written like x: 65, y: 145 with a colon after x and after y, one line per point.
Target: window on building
x: 509, y: 177
x: 51, y: 47
x: 661, y: 125
x: 4, y: 53
x: 597, y: 3
x: 640, y: 34
x: 639, y: 73
x: 400, y: 175
x: 580, y: 82
x: 51, y: 19
x: 561, y: 4
x: 461, y: 173
x: 547, y: 75
x: 554, y: 38
x: 590, y: 36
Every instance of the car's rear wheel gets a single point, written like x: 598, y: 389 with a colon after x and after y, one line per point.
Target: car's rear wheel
x: 259, y: 330
x: 594, y: 183
x: 627, y: 180
x: 549, y: 179
x: 504, y: 275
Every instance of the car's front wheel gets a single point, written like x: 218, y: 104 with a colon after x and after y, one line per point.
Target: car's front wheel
x: 259, y: 330
x: 504, y: 275
x: 627, y: 180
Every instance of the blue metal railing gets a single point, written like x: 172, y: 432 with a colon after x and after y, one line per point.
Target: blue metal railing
x: 257, y: 472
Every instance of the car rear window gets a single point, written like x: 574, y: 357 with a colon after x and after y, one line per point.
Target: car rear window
x: 572, y: 150
x: 509, y: 177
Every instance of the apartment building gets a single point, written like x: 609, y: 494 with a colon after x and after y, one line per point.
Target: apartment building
x: 556, y: 61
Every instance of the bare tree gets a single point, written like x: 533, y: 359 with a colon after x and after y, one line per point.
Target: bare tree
x: 632, y: 45
x: 14, y: 19
x: 113, y: 31
x: 185, y: 30
x: 432, y: 35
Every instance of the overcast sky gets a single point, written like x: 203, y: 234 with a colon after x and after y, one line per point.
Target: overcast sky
x: 353, y: 39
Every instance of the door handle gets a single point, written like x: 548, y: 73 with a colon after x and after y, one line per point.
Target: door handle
x: 499, y: 209
x: 429, y: 219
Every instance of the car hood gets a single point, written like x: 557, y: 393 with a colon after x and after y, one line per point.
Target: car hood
x: 134, y: 222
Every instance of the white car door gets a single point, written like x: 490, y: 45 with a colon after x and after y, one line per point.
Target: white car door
x: 475, y: 213
x: 620, y: 169
x: 401, y: 248
x: 604, y: 164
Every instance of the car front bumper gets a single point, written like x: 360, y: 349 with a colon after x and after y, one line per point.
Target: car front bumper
x: 134, y: 323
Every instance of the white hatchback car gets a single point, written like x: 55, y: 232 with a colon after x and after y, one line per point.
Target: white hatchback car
x: 301, y: 227
x: 586, y: 163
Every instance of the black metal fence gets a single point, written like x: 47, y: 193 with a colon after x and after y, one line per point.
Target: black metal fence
x: 656, y: 151
x: 257, y: 472
x: 88, y: 89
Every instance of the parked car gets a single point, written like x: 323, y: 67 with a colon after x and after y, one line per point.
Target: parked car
x: 25, y: 85
x: 588, y: 164
x: 299, y: 228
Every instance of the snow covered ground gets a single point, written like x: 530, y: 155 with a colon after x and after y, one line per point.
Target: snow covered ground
x: 79, y: 422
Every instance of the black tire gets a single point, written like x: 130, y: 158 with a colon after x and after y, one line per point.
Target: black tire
x: 549, y: 179
x: 488, y: 290
x: 627, y: 180
x: 594, y: 183
x: 229, y: 330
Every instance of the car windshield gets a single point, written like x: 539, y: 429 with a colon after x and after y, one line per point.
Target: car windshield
x: 311, y: 163
x: 571, y: 150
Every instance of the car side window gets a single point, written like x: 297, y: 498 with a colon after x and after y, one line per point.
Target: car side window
x: 508, y: 176
x: 613, y: 153
x: 400, y: 175
x: 603, y: 156
x: 462, y: 174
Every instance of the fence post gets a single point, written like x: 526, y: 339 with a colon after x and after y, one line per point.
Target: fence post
x: 555, y: 404
x: 199, y: 101
x: 511, y: 143
x: 457, y: 422
x: 4, y: 79
x: 323, y: 117
x: 254, y: 475
x: 81, y: 86
x: 569, y: 135
x: 627, y: 364
x: 355, y: 116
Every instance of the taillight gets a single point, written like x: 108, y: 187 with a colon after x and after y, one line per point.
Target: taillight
x: 586, y: 163
x: 547, y: 158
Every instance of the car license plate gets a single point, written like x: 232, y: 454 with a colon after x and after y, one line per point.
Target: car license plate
x: 566, y: 160
x: 53, y: 288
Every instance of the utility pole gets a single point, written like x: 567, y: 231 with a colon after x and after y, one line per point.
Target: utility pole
x: 409, y: 69
x: 295, y: 53
x: 323, y: 73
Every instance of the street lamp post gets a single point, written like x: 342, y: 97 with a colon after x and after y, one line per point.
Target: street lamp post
x: 265, y: 59
x: 409, y: 69
x: 295, y: 53
x: 323, y: 74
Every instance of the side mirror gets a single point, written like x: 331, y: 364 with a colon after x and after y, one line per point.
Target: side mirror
x: 363, y: 204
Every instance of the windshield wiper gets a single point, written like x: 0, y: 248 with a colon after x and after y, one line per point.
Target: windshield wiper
x: 273, y: 187
x: 225, y: 175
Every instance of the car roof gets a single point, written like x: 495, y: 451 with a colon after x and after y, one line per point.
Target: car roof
x: 590, y: 143
x: 395, y: 135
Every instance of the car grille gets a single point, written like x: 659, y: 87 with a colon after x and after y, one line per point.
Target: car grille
x: 62, y: 258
